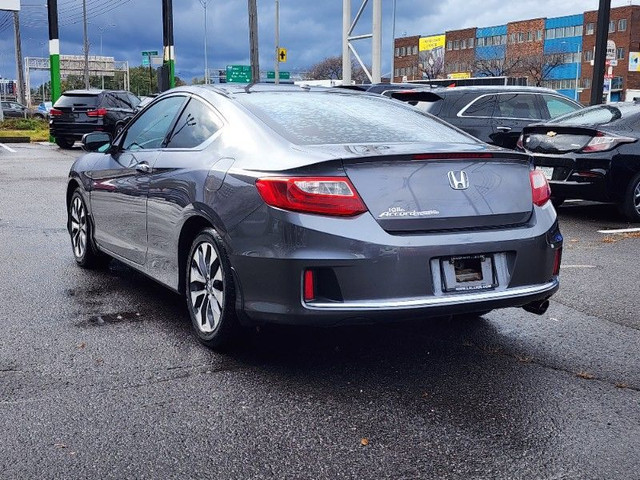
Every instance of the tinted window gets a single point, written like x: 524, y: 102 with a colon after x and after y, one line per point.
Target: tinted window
x: 77, y: 101
x: 481, y: 107
x: 133, y: 100
x: 517, y: 105
x: 150, y: 129
x: 322, y: 118
x: 558, y: 106
x: 196, y: 124
x: 123, y: 101
x: 598, y: 114
x: 110, y: 101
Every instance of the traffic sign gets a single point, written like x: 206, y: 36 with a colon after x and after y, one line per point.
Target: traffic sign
x: 282, y: 55
x: 150, y: 53
x: 271, y: 75
x: 238, y: 73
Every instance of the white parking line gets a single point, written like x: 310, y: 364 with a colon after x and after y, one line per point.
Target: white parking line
x: 579, y: 266
x: 621, y: 230
x: 9, y: 149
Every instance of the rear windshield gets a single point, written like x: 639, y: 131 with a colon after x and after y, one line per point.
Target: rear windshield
x: 598, y: 114
x: 317, y: 118
x: 77, y: 101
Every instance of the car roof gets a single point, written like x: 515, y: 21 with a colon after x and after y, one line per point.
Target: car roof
x: 91, y: 91
x: 489, y: 89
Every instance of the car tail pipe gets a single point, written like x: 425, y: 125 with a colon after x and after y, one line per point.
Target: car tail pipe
x: 538, y: 307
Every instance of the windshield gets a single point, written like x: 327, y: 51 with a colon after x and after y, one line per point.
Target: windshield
x: 67, y: 100
x: 316, y: 118
x: 598, y: 114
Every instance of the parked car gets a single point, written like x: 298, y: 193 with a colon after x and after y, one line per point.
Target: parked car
x: 16, y: 110
x: 494, y: 114
x: 313, y: 206
x: 78, y: 112
x: 43, y: 110
x: 592, y: 154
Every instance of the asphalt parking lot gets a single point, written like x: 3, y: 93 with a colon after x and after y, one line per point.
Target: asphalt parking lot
x: 101, y: 377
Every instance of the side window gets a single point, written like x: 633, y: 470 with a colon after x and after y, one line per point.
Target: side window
x: 133, y: 100
x: 196, y: 124
x: 557, y: 106
x: 109, y: 101
x: 150, y: 129
x: 517, y: 105
x: 481, y: 107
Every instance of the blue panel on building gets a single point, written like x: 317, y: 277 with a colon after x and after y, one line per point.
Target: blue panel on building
x: 491, y: 31
x: 567, y: 21
x: 565, y: 71
x: 491, y: 51
x: 563, y: 45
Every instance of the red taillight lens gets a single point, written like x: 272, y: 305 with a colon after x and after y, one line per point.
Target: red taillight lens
x: 55, y: 113
x: 520, y: 142
x: 604, y: 141
x: 100, y: 112
x: 308, y: 287
x: 556, y: 261
x: 321, y: 195
x: 540, y: 189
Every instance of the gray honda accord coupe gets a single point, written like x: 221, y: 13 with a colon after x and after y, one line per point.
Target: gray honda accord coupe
x: 312, y: 206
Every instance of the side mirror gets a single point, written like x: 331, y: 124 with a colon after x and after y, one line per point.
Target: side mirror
x: 94, y: 141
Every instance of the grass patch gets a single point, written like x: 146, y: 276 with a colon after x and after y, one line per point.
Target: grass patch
x: 36, y: 129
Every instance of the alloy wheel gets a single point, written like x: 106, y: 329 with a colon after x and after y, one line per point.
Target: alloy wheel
x: 206, y: 287
x: 78, y: 227
x: 636, y: 198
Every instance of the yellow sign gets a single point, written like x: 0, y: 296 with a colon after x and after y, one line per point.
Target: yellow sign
x: 431, y: 43
x: 282, y: 55
x: 458, y: 76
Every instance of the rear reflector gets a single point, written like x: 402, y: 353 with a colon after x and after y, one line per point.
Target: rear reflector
x: 309, y: 288
x: 540, y: 189
x: 334, y: 196
x: 556, y: 261
x: 101, y: 112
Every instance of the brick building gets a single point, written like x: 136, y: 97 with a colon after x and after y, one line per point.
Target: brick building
x: 565, y: 43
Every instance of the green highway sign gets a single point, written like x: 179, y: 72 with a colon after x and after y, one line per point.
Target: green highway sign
x: 238, y: 74
x: 150, y: 53
x: 283, y: 75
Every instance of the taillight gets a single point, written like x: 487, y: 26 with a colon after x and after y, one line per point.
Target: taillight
x: 540, y: 189
x: 321, y: 195
x: 100, y: 112
x: 520, y: 142
x: 55, y: 113
x: 308, y: 287
x: 604, y: 141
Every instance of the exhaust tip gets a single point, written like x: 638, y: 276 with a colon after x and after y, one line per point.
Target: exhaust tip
x: 539, y: 307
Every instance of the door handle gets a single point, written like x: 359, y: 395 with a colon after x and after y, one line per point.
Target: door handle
x: 143, y: 167
x: 503, y: 129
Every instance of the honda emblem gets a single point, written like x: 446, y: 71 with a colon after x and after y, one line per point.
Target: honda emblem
x: 458, y: 180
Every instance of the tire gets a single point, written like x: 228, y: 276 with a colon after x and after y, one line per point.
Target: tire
x: 65, y: 143
x: 80, y: 229
x: 210, y: 291
x: 630, y: 206
x: 557, y: 201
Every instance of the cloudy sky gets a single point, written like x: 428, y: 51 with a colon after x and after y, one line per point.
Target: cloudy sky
x: 310, y: 30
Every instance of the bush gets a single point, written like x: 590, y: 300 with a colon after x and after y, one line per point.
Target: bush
x: 23, y: 124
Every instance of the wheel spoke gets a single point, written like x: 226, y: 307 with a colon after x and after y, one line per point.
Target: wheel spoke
x: 195, y: 275
x: 197, y: 295
x: 215, y: 311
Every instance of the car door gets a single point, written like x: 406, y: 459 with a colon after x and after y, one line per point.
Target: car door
x: 179, y: 176
x: 120, y: 183
x: 513, y: 112
x: 474, y: 115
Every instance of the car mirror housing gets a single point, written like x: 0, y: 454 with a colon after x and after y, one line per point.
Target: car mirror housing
x: 95, y: 141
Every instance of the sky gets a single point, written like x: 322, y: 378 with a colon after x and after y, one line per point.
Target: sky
x: 310, y: 30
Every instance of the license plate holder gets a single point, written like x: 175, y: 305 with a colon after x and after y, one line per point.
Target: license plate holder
x: 468, y: 273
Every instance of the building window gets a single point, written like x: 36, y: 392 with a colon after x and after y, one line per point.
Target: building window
x: 470, y: 42
x: 551, y: 33
x: 403, y: 51
x: 622, y: 24
x: 449, y: 45
x: 397, y: 52
x: 588, y: 55
x: 456, y: 44
x: 415, y: 49
x: 620, y: 53
x: 503, y: 39
x: 612, y: 26
x: 397, y: 72
x: 589, y: 29
x: 586, y: 83
x: 539, y: 35
x: 560, y: 32
x: 463, y: 44
x: 578, y: 30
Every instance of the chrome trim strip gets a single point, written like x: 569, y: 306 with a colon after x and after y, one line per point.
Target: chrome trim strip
x: 440, y: 301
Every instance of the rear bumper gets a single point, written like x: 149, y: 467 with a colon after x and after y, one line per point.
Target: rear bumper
x: 366, y: 275
x: 591, y: 189
x: 75, y: 131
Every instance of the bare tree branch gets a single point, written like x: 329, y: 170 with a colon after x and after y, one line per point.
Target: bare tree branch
x: 539, y: 67
x: 331, y: 69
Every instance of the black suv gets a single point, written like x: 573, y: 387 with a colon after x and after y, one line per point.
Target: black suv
x: 494, y: 114
x: 83, y: 111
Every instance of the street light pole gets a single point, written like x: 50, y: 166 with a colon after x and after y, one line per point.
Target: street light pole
x: 578, y: 68
x: 86, y: 45
x: 204, y: 4
x: 277, y: 66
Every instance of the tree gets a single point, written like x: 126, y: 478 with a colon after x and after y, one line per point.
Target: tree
x: 331, y: 69
x: 431, y: 63
x: 495, y: 65
x: 538, y: 68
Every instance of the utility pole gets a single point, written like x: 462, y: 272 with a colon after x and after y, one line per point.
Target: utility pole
x: 277, y: 67
x: 376, y: 43
x: 393, y: 42
x: 346, y: 31
x: 20, y: 94
x: 253, y: 41
x: 167, y: 37
x: 86, y: 45
x: 602, y: 32
x: 204, y: 4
